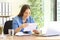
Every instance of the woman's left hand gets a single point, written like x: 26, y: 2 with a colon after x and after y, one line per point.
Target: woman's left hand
x: 35, y: 32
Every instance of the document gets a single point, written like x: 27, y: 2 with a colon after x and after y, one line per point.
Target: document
x: 30, y: 27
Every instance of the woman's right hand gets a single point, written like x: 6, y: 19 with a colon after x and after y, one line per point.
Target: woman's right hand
x: 20, y: 27
x: 24, y: 25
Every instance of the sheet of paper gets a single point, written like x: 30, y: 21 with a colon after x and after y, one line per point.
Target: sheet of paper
x: 30, y: 27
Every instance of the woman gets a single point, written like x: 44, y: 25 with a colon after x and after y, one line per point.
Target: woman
x: 20, y: 21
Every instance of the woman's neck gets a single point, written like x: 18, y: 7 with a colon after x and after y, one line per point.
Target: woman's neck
x: 24, y: 20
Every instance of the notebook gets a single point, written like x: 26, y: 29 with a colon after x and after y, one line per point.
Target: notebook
x: 22, y: 34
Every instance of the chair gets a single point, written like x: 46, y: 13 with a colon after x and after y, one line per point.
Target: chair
x: 7, y: 25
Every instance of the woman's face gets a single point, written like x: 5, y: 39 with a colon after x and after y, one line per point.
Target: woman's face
x: 26, y: 13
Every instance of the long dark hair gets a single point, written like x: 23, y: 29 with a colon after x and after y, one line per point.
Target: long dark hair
x: 24, y: 7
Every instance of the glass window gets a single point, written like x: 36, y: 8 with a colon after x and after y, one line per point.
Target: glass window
x: 37, y: 11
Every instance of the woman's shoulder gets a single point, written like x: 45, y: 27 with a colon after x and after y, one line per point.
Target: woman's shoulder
x: 16, y: 18
x: 30, y: 17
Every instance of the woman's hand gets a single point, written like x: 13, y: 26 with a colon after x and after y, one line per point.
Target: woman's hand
x: 24, y: 25
x: 20, y: 27
x: 35, y: 32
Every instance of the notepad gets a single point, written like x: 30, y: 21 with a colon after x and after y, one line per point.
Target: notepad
x: 21, y: 34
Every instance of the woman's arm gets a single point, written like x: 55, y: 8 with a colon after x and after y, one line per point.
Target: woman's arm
x: 20, y: 27
x: 32, y: 21
x: 16, y: 25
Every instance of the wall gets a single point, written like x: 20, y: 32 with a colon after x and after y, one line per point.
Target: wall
x: 15, y: 5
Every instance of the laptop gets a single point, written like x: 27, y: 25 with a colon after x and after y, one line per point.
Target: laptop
x: 52, y: 29
x: 49, y: 33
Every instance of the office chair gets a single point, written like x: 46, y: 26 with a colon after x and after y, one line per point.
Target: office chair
x: 7, y: 25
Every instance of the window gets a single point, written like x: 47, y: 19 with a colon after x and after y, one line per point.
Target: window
x: 37, y: 11
x: 5, y: 11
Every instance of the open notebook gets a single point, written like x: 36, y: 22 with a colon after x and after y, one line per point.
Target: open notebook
x: 21, y: 34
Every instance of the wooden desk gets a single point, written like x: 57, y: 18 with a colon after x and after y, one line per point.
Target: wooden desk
x: 30, y: 38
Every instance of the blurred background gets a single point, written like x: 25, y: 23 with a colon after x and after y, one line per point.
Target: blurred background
x: 41, y: 10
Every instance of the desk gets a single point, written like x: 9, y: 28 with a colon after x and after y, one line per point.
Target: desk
x: 32, y: 37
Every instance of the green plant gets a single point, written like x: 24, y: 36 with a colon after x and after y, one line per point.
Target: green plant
x: 36, y: 11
